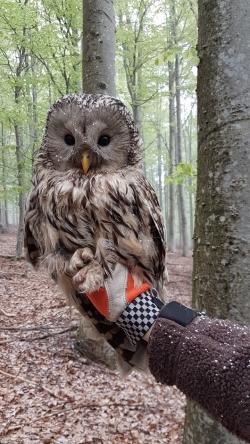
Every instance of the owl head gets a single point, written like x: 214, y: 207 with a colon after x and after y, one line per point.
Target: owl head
x: 92, y: 133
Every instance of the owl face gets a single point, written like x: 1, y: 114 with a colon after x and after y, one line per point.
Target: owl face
x: 91, y: 133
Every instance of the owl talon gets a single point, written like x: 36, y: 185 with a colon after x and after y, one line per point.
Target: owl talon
x: 87, y: 255
x: 81, y: 258
x: 89, y: 279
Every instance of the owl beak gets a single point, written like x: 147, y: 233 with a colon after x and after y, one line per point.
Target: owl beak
x: 85, y: 162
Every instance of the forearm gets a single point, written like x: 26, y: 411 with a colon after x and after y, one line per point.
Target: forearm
x: 209, y: 361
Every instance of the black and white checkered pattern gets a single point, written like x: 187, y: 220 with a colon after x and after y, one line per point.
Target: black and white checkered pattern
x: 118, y: 335
x: 139, y: 316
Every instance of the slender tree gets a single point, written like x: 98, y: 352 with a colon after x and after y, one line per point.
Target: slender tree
x: 179, y: 148
x: 159, y: 166
x: 171, y: 114
x: 5, y: 219
x: 99, y: 47
x: 55, y: 44
x: 221, y: 278
x: 133, y: 60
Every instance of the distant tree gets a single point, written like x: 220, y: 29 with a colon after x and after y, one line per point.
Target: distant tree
x: 56, y: 44
x: 133, y: 51
x: 221, y: 277
x: 171, y: 119
x: 5, y: 218
x: 14, y: 56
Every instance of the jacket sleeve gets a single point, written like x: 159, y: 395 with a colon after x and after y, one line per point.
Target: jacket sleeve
x: 209, y: 361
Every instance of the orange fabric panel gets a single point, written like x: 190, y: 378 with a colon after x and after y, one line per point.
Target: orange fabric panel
x: 99, y: 299
x: 132, y: 291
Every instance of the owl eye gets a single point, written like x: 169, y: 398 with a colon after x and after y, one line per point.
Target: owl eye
x: 69, y: 139
x: 104, y: 140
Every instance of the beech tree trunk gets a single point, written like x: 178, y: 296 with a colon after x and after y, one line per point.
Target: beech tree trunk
x: 221, y: 277
x: 159, y: 167
x: 191, y: 205
x: 99, y: 47
x: 34, y: 111
x: 5, y: 217
x: 180, y: 188
x: 19, y: 160
x: 20, y: 233
x: 171, y: 218
x: 136, y: 108
x: 133, y: 64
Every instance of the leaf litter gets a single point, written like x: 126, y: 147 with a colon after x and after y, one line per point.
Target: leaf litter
x: 49, y: 393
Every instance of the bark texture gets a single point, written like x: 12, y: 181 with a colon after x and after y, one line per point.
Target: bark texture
x: 5, y: 219
x: 159, y: 167
x: 180, y: 188
x: 99, y: 47
x: 19, y: 161
x: 171, y: 219
x: 221, y: 278
x: 190, y: 194
x: 21, y: 198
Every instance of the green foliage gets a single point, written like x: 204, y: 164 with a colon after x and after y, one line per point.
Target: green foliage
x: 184, y: 173
x: 40, y: 58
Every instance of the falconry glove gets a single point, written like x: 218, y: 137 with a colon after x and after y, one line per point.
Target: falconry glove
x: 133, y: 308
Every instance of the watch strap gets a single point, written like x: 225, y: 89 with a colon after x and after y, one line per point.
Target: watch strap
x: 176, y: 312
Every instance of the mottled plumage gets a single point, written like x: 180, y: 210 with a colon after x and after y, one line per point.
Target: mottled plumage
x: 111, y: 214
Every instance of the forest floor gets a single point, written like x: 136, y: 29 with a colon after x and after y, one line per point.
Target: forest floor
x: 49, y: 393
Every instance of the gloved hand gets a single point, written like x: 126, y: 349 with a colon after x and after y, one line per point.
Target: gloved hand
x: 119, y: 291
x: 133, y: 308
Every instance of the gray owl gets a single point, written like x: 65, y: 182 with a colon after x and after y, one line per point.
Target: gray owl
x: 90, y: 206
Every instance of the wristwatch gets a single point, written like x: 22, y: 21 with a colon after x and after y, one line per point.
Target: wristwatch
x: 176, y: 312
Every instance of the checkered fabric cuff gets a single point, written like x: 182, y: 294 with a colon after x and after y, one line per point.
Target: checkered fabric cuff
x: 139, y: 316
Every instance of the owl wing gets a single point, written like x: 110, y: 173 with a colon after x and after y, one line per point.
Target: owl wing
x: 151, y: 208
x: 127, y: 212
x: 33, y: 249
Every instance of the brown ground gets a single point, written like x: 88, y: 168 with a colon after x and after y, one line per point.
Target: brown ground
x: 51, y: 394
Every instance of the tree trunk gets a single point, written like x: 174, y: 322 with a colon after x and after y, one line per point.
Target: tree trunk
x: 2, y: 228
x: 137, y: 114
x: 221, y: 277
x: 180, y: 188
x: 20, y: 233
x: 4, y: 184
x: 171, y: 218
x: 99, y: 47
x: 191, y: 204
x: 166, y: 201
x: 34, y: 110
x: 133, y: 70
x: 159, y: 165
x: 136, y: 108
x: 191, y: 214
x: 98, y: 77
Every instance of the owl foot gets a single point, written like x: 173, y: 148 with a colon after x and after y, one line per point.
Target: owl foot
x: 81, y: 258
x: 90, y: 278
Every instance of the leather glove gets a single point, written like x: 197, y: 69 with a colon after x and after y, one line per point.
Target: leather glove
x: 133, y: 308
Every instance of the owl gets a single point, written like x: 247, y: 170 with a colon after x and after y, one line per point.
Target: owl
x: 90, y: 206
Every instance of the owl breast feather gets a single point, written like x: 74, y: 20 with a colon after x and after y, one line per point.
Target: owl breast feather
x: 116, y: 215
